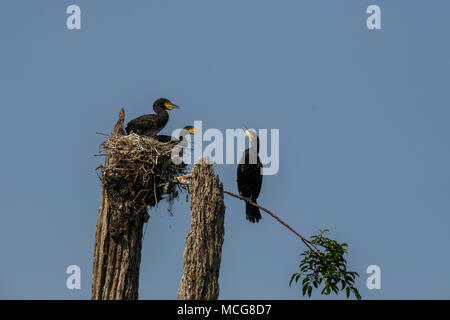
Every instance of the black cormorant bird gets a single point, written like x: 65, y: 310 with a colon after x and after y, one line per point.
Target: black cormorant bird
x: 150, y: 124
x: 249, y: 177
x: 180, y: 143
x: 183, y: 132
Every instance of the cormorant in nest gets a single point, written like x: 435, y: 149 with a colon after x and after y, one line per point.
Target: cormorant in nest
x: 150, y: 124
x: 249, y: 177
x: 183, y: 132
x: 180, y: 143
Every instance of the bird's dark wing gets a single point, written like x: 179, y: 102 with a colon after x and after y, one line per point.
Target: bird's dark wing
x: 166, y: 138
x: 142, y: 125
x: 163, y: 138
x: 249, y: 183
x: 258, y: 180
x: 249, y: 179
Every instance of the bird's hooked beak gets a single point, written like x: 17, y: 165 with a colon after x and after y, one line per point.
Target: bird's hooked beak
x: 248, y: 132
x: 170, y: 106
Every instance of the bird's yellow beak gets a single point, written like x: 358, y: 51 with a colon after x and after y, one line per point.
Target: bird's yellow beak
x: 249, y: 134
x: 192, y: 130
x: 170, y: 106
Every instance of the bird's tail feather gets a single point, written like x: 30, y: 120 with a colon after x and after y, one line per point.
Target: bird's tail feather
x: 252, y: 213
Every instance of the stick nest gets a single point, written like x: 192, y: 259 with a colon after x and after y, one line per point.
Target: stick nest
x: 139, y: 169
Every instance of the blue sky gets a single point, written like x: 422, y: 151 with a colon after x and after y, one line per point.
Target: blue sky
x: 363, y: 118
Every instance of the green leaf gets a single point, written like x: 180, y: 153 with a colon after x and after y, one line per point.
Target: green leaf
x: 335, y: 289
x: 326, y: 262
x: 292, y: 279
x: 356, y: 293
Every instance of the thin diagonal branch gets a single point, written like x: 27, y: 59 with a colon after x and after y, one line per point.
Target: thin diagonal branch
x: 307, y: 242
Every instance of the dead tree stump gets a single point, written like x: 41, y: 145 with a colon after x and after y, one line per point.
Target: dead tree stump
x: 137, y: 174
x: 117, y: 253
x: 203, y: 252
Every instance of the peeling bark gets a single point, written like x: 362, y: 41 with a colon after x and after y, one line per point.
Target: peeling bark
x: 203, y: 252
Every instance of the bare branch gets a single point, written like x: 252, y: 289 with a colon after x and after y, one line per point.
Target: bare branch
x: 305, y: 241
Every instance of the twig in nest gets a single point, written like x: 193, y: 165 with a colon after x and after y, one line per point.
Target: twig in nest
x: 154, y: 188
x: 183, y: 179
x: 103, y: 134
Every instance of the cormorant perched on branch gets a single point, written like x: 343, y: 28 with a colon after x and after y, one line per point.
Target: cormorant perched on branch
x: 150, y: 124
x: 249, y: 178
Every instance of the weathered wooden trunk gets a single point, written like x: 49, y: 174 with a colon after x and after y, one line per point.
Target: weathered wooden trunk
x: 118, y: 240
x: 138, y: 173
x: 117, y: 257
x: 203, y: 252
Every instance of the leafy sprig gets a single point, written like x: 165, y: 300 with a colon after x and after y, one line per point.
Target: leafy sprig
x: 327, y: 266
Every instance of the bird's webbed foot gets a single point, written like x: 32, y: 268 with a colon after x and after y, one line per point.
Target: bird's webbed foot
x: 248, y: 200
